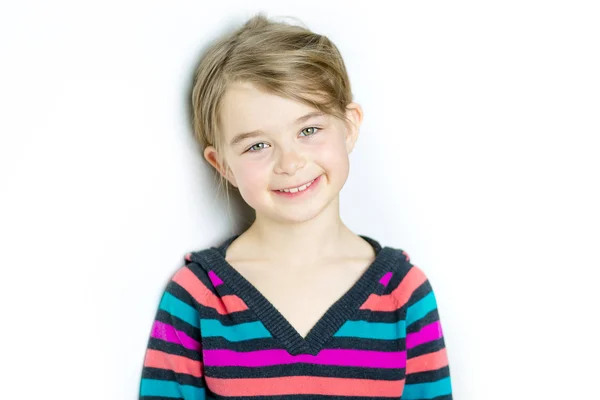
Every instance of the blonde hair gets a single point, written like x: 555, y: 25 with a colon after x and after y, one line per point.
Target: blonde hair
x: 283, y: 59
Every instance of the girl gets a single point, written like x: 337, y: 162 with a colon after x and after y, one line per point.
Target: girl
x: 297, y: 306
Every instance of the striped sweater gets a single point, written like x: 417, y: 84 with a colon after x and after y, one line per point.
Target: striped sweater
x: 215, y: 336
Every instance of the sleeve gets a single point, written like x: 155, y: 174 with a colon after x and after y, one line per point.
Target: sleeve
x: 173, y: 366
x: 427, y: 369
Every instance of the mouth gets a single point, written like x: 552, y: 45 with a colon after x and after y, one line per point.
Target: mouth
x: 298, y: 190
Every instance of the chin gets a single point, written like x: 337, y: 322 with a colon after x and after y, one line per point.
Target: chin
x: 301, y: 212
x: 290, y: 218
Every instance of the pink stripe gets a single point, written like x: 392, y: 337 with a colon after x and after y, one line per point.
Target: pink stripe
x: 386, y: 278
x: 347, y: 358
x: 216, y: 281
x: 166, y: 332
x: 188, y: 256
x: 427, y: 334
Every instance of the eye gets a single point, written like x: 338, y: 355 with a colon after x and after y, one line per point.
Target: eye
x: 254, y: 149
x: 311, y: 129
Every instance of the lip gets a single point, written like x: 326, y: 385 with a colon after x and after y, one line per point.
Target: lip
x: 302, y: 193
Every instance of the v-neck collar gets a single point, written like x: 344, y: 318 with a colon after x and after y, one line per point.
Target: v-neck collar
x: 342, y: 310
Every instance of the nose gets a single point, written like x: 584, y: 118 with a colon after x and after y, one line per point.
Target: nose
x: 289, y: 162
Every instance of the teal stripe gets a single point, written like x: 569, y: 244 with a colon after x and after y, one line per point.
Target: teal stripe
x: 427, y: 390
x: 372, y: 330
x: 421, y: 308
x: 234, y: 333
x: 181, y: 310
x: 155, y: 387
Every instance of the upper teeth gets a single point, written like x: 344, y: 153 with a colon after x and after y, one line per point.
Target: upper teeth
x: 298, y: 189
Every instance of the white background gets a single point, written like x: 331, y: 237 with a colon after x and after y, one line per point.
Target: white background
x: 479, y: 156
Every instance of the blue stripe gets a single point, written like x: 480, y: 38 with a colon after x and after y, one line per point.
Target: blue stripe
x: 234, y: 333
x: 181, y: 310
x: 372, y: 330
x: 155, y: 387
x: 420, y: 309
x: 427, y: 390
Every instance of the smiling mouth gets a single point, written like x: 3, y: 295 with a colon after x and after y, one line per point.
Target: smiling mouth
x: 298, y: 188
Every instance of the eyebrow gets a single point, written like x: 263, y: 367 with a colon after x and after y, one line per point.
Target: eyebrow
x: 240, y: 137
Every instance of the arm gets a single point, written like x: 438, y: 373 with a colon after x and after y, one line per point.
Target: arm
x: 173, y: 362
x: 427, y: 370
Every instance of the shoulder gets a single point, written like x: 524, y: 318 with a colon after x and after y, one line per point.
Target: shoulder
x: 403, y: 267
x: 191, y: 282
x: 408, y: 281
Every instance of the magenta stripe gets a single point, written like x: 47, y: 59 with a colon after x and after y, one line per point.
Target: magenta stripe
x: 386, y: 278
x: 166, y: 332
x: 427, y: 334
x: 346, y: 358
x: 216, y: 281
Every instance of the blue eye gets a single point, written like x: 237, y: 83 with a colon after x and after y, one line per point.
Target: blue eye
x: 314, y: 130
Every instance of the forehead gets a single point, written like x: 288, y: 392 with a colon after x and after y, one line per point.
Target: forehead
x: 246, y: 108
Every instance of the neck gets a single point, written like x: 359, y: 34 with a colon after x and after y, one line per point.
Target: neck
x: 299, y: 243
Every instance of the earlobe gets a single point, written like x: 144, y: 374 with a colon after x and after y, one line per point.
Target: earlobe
x: 354, y: 114
x: 211, y: 155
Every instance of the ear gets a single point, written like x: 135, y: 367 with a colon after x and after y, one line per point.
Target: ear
x: 354, y: 113
x: 212, y: 156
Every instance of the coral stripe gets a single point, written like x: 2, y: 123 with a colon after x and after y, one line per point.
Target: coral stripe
x: 427, y: 362
x: 313, y: 385
x: 428, y: 333
x: 379, y: 303
x: 166, y: 332
x: 398, y: 298
x: 224, y: 305
x: 413, y: 279
x: 231, y: 304
x: 406, y: 255
x: 339, y: 357
x: 175, y: 363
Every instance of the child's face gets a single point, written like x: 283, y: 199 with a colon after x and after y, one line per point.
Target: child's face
x: 286, y: 152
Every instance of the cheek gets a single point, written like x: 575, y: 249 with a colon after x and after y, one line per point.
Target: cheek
x: 248, y: 170
x: 333, y: 155
x: 252, y: 179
